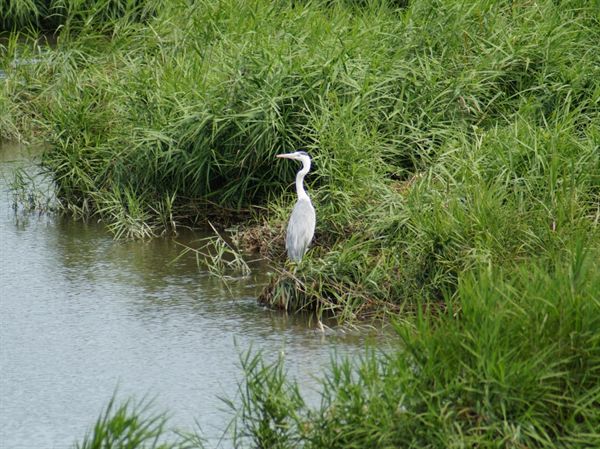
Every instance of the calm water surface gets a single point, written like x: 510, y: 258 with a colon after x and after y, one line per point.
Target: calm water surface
x: 82, y: 315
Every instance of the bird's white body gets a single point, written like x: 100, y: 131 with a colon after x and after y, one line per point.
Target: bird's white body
x: 301, y: 227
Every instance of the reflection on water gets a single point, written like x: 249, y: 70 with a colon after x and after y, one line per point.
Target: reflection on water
x: 82, y: 315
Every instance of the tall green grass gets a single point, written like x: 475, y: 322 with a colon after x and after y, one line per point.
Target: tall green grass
x: 127, y: 426
x: 513, y: 362
x: 51, y: 15
x: 446, y: 136
x: 496, y: 198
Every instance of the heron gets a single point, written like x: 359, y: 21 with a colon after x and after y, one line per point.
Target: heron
x: 301, y: 227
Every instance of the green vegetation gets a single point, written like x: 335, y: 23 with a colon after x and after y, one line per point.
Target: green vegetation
x: 51, y: 15
x: 514, y: 362
x: 218, y: 257
x: 456, y: 179
x: 127, y: 426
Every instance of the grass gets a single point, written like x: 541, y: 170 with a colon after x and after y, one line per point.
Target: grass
x: 514, y: 362
x: 30, y: 194
x: 51, y: 15
x: 470, y: 376
x: 456, y: 179
x: 218, y: 257
x: 445, y: 136
x: 127, y: 426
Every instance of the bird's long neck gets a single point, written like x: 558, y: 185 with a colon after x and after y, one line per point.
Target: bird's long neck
x: 300, y: 179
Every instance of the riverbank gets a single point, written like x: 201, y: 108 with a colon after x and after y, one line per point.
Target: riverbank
x: 456, y: 179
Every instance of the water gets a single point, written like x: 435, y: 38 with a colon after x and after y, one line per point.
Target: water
x: 82, y: 315
x: 33, y: 51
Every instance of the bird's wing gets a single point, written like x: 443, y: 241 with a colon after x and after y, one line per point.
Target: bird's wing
x: 301, y: 229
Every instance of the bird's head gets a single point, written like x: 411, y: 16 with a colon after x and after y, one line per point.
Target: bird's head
x: 296, y: 155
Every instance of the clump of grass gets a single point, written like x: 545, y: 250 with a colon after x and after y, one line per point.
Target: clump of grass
x: 49, y: 16
x: 268, y: 408
x: 127, y: 426
x: 31, y: 194
x: 218, y: 256
x: 128, y: 216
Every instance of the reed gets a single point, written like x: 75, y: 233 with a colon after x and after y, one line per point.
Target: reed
x: 216, y: 255
x: 30, y: 194
x: 129, y: 426
x: 51, y: 15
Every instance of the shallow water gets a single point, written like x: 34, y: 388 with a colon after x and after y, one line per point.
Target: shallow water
x: 82, y: 315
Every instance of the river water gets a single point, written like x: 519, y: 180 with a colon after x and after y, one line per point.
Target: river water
x: 83, y: 316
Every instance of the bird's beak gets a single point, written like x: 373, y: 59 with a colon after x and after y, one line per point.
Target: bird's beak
x: 286, y: 156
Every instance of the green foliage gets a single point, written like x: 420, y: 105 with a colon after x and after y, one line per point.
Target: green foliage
x: 126, y: 427
x: 218, y: 256
x: 446, y: 136
x: 512, y: 361
x: 50, y: 15
x: 495, y: 198
x: 267, y: 413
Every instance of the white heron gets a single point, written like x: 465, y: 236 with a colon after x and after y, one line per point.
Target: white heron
x: 301, y: 227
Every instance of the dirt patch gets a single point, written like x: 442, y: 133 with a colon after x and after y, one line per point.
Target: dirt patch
x: 263, y: 238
